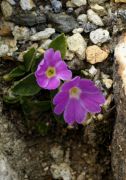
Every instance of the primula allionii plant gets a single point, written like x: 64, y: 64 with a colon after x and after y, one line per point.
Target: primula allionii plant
x: 76, y: 97
x: 51, y: 70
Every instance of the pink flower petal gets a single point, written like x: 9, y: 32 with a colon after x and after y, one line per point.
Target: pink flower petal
x: 60, y: 97
x: 89, y: 104
x: 53, y: 83
x: 61, y: 100
x: 74, y: 111
x: 48, y: 56
x: 88, y: 86
x: 42, y: 67
x: 65, y: 75
x: 68, y: 85
x: 42, y: 81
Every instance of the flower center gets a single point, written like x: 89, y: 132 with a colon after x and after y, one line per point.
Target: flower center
x: 50, y: 72
x: 75, y: 92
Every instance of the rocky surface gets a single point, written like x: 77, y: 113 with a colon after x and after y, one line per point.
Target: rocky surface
x: 81, y: 152
x: 119, y: 136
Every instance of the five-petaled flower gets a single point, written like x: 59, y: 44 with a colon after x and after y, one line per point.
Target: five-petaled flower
x: 51, y: 70
x: 76, y: 98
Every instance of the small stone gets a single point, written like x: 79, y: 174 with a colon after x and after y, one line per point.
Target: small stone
x: 82, y: 18
x: 6, y: 173
x: 57, y: 153
x: 99, y: 36
x: 77, y: 30
x: 77, y: 44
x: 62, y: 22
x: 95, y: 54
x: 28, y: 19
x: 27, y: 4
x: 94, y: 18
x: 3, y: 50
x: 79, y: 2
x: 6, y: 9
x: 75, y: 64
x: 88, y: 27
x: 46, y: 44
x: 62, y: 171
x: 100, y: 10
x: 21, y: 33
x: 96, y: 1
x: 12, y: 45
x: 93, y: 71
x: 5, y: 30
x: 56, y: 5
x: 12, y: 2
x: 108, y: 83
x: 69, y: 55
x: 69, y: 4
x: 118, y: 1
x: 42, y: 34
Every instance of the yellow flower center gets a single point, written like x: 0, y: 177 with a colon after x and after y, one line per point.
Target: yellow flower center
x: 75, y: 92
x: 50, y: 72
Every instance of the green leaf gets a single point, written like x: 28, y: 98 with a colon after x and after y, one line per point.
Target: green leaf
x: 34, y: 113
x: 16, y: 72
x: 34, y: 106
x: 10, y: 98
x: 26, y: 86
x: 29, y: 59
x: 60, y: 43
x: 36, y: 61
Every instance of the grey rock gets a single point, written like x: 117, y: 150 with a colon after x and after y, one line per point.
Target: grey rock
x: 6, y: 9
x: 21, y: 33
x: 79, y: 2
x: 4, y: 49
x: 12, y: 2
x: 62, y: 171
x: 88, y: 27
x: 42, y: 34
x: 96, y: 1
x: 122, y: 13
x: 99, y: 36
x: 27, y: 4
x: 56, y: 5
x: 82, y: 18
x: 119, y: 134
x: 94, y: 18
x: 6, y: 173
x: 62, y: 22
x: 28, y: 19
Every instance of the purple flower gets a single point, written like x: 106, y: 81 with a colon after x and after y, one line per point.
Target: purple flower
x: 76, y: 98
x: 51, y: 70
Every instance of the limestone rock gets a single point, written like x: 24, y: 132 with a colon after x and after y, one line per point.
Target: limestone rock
x: 82, y: 18
x: 99, y: 36
x: 79, y: 2
x: 21, y: 33
x: 43, y: 34
x: 62, y: 171
x: 27, y: 4
x: 118, y: 1
x: 118, y: 158
x: 100, y: 10
x: 6, y: 173
x: 3, y: 50
x: 77, y: 44
x: 95, y: 54
x: 6, y: 9
x: 94, y: 18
